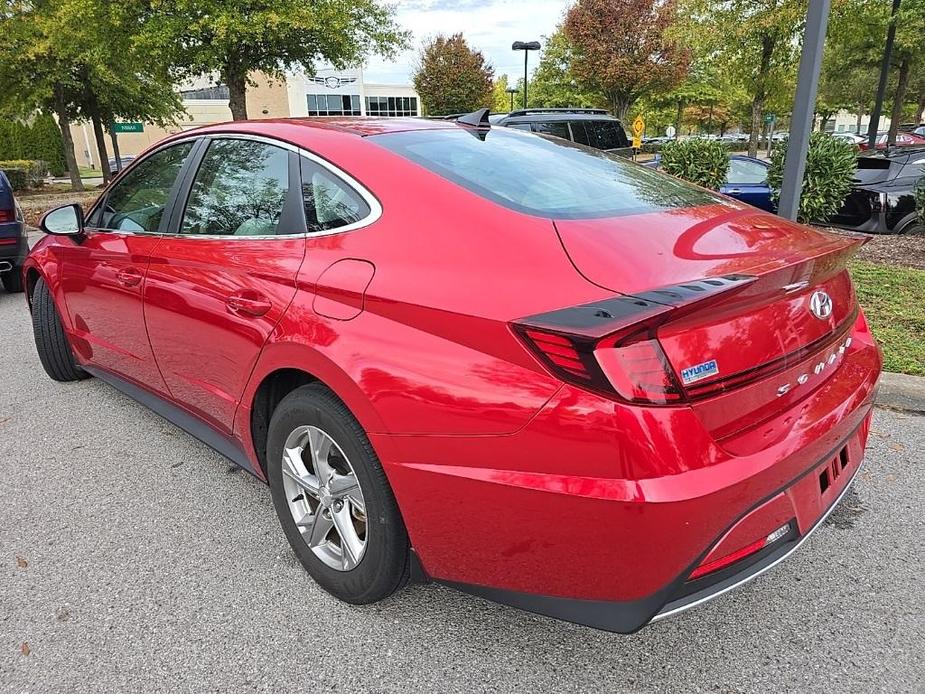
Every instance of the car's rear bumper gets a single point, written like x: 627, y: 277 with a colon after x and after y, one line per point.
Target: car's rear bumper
x: 627, y: 616
x: 13, y: 245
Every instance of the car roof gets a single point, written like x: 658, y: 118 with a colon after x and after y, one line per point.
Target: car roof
x: 894, y: 153
x: 552, y: 116
x: 355, y: 125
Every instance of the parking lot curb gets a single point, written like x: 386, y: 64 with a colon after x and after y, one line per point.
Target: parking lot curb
x: 902, y: 392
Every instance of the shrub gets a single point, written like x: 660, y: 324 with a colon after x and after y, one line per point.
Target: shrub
x: 24, y: 173
x: 830, y: 166
x: 704, y: 162
x: 39, y: 139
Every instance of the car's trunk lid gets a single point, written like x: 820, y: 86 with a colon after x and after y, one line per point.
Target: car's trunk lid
x: 745, y: 338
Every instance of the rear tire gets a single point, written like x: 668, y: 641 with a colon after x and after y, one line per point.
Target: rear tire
x: 12, y: 280
x: 378, y: 530
x: 50, y: 339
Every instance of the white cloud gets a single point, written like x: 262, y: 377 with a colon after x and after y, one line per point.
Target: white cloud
x: 490, y: 26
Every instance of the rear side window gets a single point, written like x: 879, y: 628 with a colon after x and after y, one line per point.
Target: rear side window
x: 548, y: 177
x: 579, y: 132
x: 745, y: 172
x: 606, y: 134
x: 137, y: 200
x: 556, y: 129
x: 329, y: 202
x: 239, y: 190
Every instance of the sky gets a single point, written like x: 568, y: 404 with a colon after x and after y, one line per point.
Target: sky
x: 490, y: 26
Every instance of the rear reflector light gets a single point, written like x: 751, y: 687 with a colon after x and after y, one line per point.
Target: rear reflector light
x: 7, y: 216
x: 8, y: 242
x: 739, y: 554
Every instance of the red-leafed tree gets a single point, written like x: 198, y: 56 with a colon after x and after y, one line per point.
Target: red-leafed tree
x: 622, y: 49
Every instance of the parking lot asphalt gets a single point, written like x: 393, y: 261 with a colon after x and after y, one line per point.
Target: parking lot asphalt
x: 135, y: 559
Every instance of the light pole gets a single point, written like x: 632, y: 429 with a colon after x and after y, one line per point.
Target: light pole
x: 526, y: 47
x: 512, y: 91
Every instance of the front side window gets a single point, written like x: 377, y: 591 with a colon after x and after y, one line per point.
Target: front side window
x: 745, y: 172
x: 137, y: 200
x: 329, y: 202
x: 548, y: 177
x: 239, y: 190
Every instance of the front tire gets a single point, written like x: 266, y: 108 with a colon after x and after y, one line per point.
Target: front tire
x: 50, y: 339
x: 333, y: 500
x: 12, y: 280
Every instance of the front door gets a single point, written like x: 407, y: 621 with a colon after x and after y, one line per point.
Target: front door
x: 103, y: 274
x: 221, y: 280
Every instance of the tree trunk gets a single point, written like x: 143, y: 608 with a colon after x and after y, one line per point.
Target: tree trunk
x: 920, y: 108
x: 761, y: 93
x: 757, y: 112
x: 64, y: 124
x: 902, y: 84
x: 101, y: 147
x: 237, y: 95
x: 115, y: 146
x: 860, y: 116
x: 677, y: 121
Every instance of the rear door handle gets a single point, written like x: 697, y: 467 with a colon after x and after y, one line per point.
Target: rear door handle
x: 129, y: 277
x: 733, y: 191
x: 248, y: 303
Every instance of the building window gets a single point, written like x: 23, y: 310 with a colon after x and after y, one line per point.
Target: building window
x: 217, y: 93
x: 391, y: 106
x: 333, y: 105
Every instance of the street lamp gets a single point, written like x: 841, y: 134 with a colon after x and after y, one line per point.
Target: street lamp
x: 526, y: 48
x: 512, y: 91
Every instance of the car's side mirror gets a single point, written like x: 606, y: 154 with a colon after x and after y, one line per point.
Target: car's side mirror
x: 67, y: 220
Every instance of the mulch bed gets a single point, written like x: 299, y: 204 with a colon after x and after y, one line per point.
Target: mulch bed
x: 35, y: 203
x: 903, y: 250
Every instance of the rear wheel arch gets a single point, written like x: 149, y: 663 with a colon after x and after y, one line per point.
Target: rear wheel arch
x: 32, y: 278
x: 277, y: 382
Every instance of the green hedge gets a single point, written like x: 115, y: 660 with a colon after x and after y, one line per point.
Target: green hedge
x: 656, y: 148
x: 24, y: 173
x: 704, y: 162
x: 39, y: 140
x: 830, y: 166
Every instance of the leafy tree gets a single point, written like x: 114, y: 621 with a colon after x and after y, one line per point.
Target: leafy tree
x: 80, y: 60
x: 451, y: 77
x: 500, y: 99
x: 553, y: 83
x: 623, y: 49
x: 909, y: 54
x: 232, y: 39
x: 752, y: 41
x: 830, y: 166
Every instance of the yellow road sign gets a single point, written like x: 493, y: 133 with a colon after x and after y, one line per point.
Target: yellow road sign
x: 637, y: 141
x: 639, y: 126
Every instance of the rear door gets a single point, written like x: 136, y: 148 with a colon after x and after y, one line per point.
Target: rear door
x: 225, y: 273
x: 102, y: 276
x: 747, y: 181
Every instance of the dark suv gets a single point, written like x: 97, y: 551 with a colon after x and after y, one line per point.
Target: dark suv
x: 882, y: 199
x: 13, y: 246
x: 586, y: 126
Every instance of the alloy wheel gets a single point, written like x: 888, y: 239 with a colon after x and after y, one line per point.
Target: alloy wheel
x: 324, y: 497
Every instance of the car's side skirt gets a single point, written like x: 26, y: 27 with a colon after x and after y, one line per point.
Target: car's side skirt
x: 191, y: 424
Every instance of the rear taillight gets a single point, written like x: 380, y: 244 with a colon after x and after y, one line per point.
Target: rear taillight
x: 629, y: 365
x: 610, y: 347
x: 7, y: 216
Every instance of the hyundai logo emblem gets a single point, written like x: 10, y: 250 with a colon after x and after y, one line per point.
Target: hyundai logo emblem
x: 820, y: 304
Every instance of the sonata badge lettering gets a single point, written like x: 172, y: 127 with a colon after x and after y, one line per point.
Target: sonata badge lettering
x: 698, y: 372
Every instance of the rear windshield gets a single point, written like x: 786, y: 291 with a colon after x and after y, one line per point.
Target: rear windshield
x: 548, y: 177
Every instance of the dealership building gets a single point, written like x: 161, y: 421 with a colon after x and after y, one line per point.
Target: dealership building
x: 328, y: 92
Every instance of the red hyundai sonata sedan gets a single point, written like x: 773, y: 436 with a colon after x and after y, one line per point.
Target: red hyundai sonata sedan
x: 511, y: 364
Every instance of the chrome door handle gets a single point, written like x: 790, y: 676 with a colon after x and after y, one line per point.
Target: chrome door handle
x: 733, y: 191
x: 129, y: 277
x: 248, y: 303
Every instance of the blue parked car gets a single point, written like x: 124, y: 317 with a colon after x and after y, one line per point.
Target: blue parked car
x: 747, y: 180
x: 13, y: 245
